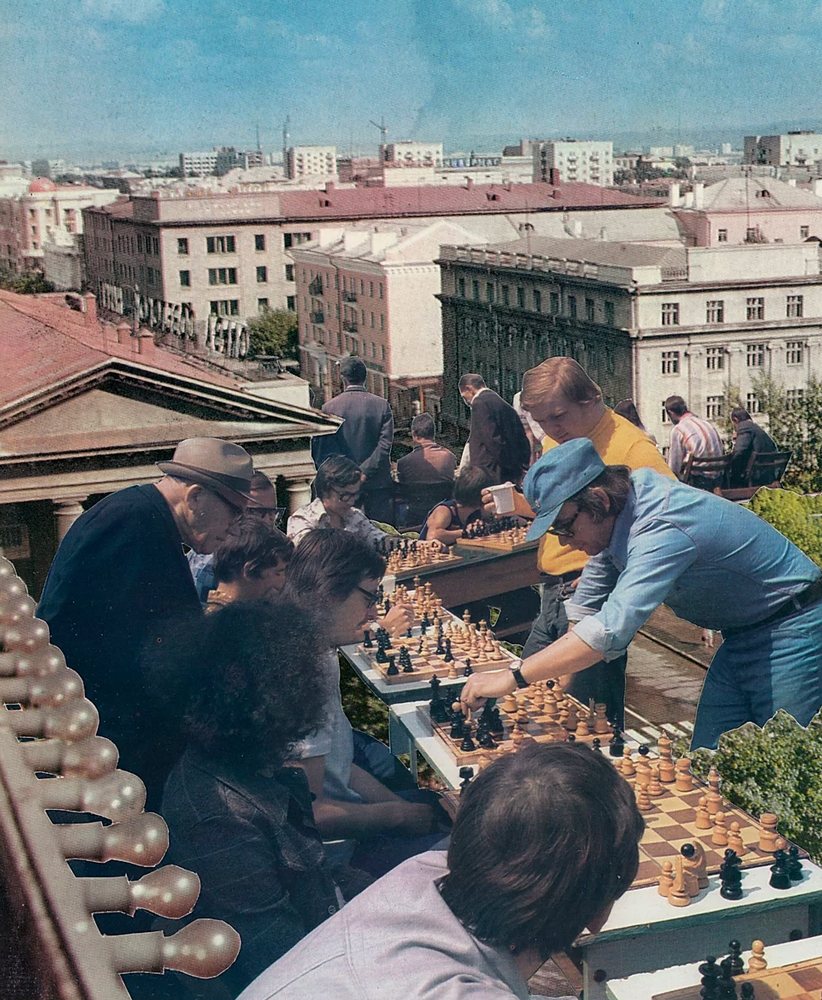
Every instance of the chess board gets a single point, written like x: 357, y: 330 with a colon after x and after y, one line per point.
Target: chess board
x: 509, y: 540
x: 399, y: 562
x: 800, y: 981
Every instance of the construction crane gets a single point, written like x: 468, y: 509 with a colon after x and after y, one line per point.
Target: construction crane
x: 383, y: 134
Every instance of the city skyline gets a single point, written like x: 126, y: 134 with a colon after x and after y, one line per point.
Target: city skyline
x: 128, y: 77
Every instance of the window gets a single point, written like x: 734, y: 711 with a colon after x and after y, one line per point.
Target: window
x: 262, y: 275
x: 291, y: 303
x: 670, y: 314
x: 755, y: 355
x: 382, y: 352
x: 489, y: 292
x: 460, y: 287
x: 755, y: 308
x: 222, y: 276
x: 753, y: 404
x: 506, y: 295
x: 380, y: 288
x: 220, y: 244
x: 156, y: 244
x: 804, y: 232
x: 665, y: 418
x: 289, y: 272
x: 752, y: 234
x: 288, y: 240
x: 590, y: 308
x: 537, y: 301
x: 520, y: 297
x: 259, y: 241
x: 670, y: 362
x: 715, y: 311
x: 794, y: 307
x: 714, y: 405
x: 794, y: 352
x: 609, y: 313
x: 382, y: 321
x: 185, y: 279
x: 262, y: 305
x: 715, y: 359
x: 475, y: 290
x: 371, y: 289
x: 371, y: 320
x: 140, y: 244
x: 793, y: 397
x: 225, y: 307
x: 554, y: 303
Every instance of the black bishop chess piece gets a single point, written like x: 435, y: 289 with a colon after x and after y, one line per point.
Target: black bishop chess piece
x: 794, y: 864
x: 392, y: 669
x: 735, y: 958
x: 780, y: 875
x: 709, y: 971
x: 466, y: 774
x: 730, y: 876
x: 467, y: 744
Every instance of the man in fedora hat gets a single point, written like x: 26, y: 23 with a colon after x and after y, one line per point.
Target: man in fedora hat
x: 651, y: 539
x: 120, y: 580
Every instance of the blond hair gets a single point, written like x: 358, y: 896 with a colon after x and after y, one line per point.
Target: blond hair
x: 558, y: 375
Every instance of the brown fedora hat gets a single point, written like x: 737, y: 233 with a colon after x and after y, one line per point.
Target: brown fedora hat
x: 218, y: 465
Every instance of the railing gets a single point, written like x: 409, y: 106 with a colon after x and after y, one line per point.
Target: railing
x: 315, y: 287
x: 317, y: 317
x: 351, y: 326
x: 349, y: 296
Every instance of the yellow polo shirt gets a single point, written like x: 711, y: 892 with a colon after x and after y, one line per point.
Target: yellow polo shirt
x: 618, y: 442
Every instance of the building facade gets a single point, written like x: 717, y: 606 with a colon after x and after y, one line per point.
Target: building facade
x: 582, y: 160
x: 311, y: 161
x: 419, y: 153
x: 795, y: 148
x: 646, y: 322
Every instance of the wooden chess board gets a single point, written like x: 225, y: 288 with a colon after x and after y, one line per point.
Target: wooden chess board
x: 800, y: 981
x: 433, y: 665
x: 512, y: 540
x: 421, y: 559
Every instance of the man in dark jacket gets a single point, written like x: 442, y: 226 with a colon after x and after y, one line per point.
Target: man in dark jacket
x: 120, y: 580
x: 365, y: 437
x: 497, y: 442
x: 749, y: 439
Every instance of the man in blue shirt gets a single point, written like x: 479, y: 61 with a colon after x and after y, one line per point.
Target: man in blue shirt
x: 713, y: 563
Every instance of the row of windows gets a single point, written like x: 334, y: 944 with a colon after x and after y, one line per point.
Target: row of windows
x: 555, y: 305
x: 141, y: 274
x: 351, y: 286
x: 139, y: 244
x: 715, y: 405
x: 222, y: 276
x: 345, y: 342
x: 350, y: 317
x: 754, y: 357
x: 753, y: 233
x: 228, y: 243
x: 754, y: 310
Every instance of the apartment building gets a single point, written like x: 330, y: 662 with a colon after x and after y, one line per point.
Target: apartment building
x: 413, y: 153
x: 311, y: 161
x: 582, y: 160
x: 646, y: 321
x: 799, y: 148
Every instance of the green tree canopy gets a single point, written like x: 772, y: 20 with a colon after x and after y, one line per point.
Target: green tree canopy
x: 274, y: 332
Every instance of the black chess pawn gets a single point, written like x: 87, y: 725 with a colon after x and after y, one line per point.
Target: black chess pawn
x: 449, y: 656
x: 367, y: 641
x: 426, y: 621
x: 643, y: 750
x: 424, y: 627
x: 730, y: 877
x: 794, y: 864
x: 391, y: 670
x: 387, y: 605
x: 467, y: 744
x: 709, y: 971
x: 405, y: 661
x: 410, y: 633
x: 468, y: 669
x: 780, y: 876
x: 735, y: 958
x: 466, y: 774
x: 440, y: 650
x: 616, y: 745
x: 380, y: 656
x: 726, y: 987
x: 571, y: 738
x: 496, y: 728
x: 549, y: 685
x: 596, y: 743
x: 747, y: 991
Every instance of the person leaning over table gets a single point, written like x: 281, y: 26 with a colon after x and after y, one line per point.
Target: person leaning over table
x: 447, y: 521
x: 566, y: 403
x: 712, y: 562
x: 338, y: 485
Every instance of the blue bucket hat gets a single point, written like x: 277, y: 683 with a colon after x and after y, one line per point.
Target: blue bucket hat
x: 560, y: 474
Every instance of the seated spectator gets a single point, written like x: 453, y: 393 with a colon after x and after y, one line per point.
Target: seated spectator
x: 692, y: 436
x: 429, y: 462
x: 446, y: 522
x: 749, y: 440
x: 545, y: 841
x: 247, y: 686
x: 339, y: 574
x: 263, y: 505
x: 250, y: 564
x: 338, y: 485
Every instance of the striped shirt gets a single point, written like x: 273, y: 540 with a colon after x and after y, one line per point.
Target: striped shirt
x: 693, y: 436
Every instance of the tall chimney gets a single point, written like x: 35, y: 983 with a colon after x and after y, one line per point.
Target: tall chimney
x: 90, y: 309
x: 673, y: 196
x: 554, y: 178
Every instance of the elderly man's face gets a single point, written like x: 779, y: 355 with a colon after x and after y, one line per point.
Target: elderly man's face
x: 210, y: 516
x: 563, y: 420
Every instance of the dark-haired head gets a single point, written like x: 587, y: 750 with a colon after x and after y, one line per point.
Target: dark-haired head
x: 246, y: 684
x: 329, y: 564
x: 544, y: 842
x: 627, y: 408
x: 338, y: 473
x: 251, y: 547
x: 738, y: 414
x: 469, y: 484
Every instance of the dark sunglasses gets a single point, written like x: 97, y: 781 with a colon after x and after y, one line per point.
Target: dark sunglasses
x: 565, y: 530
x: 371, y: 596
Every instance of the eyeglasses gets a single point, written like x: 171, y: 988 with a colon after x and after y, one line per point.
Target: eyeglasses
x: 266, y: 512
x: 565, y: 530
x: 349, y: 497
x: 371, y: 596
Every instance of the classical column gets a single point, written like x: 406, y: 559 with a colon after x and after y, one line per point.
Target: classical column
x: 299, y: 494
x: 66, y: 512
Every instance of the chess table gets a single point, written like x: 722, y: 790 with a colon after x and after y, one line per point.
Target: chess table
x: 794, y: 971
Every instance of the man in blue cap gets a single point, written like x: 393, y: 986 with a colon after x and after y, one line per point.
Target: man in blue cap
x: 716, y: 564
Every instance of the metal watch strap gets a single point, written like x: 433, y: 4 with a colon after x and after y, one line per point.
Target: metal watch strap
x: 515, y: 670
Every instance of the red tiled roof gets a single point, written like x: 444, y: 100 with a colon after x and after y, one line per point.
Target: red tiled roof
x: 43, y: 344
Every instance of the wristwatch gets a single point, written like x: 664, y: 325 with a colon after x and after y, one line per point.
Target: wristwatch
x: 521, y: 682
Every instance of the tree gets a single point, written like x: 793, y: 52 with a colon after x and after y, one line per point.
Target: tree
x: 273, y: 332
x: 796, y: 425
x: 25, y: 283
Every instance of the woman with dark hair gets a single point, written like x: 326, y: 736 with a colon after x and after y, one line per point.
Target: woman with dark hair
x: 627, y: 408
x: 341, y: 575
x: 544, y: 843
x: 445, y: 522
x: 247, y: 688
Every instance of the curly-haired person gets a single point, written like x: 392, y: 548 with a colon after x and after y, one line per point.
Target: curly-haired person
x: 247, y: 689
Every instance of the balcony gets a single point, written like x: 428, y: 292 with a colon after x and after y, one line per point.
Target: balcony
x: 351, y: 326
x: 315, y: 287
x: 349, y: 296
x: 317, y: 317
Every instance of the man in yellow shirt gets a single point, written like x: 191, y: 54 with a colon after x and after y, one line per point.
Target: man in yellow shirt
x: 568, y: 404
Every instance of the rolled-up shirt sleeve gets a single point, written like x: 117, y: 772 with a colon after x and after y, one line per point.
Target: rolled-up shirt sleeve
x: 657, y: 555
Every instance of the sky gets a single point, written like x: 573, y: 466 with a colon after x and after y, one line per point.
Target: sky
x: 119, y: 78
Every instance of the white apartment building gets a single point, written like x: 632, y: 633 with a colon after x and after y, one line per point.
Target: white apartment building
x: 199, y: 164
x: 796, y: 148
x: 311, y: 161
x: 582, y: 160
x: 413, y: 153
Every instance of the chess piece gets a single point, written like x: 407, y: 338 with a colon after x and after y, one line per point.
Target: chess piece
x: 780, y: 877
x: 601, y: 725
x: 392, y: 670
x: 678, y: 893
x: 628, y: 769
x: 720, y: 831
x: 695, y: 862
x: 367, y: 642
x: 684, y: 778
x: 768, y: 835
x: 747, y: 991
x: 709, y: 971
x: 582, y: 727
x: 794, y: 864
x: 703, y: 818
x: 757, y: 962
x: 730, y: 877
x: 735, y: 841
x: 667, y: 771
x: 467, y: 745
x: 643, y: 803
x: 466, y: 774
x: 735, y: 958
x: 714, y: 798
x: 666, y: 878
x: 726, y: 988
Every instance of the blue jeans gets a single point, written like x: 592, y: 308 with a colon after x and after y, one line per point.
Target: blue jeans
x: 604, y: 681
x: 755, y: 673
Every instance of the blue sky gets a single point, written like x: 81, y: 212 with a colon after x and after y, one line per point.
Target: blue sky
x: 88, y: 77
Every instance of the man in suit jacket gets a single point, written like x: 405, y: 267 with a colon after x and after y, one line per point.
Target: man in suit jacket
x: 497, y: 442
x: 749, y: 439
x: 365, y: 437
